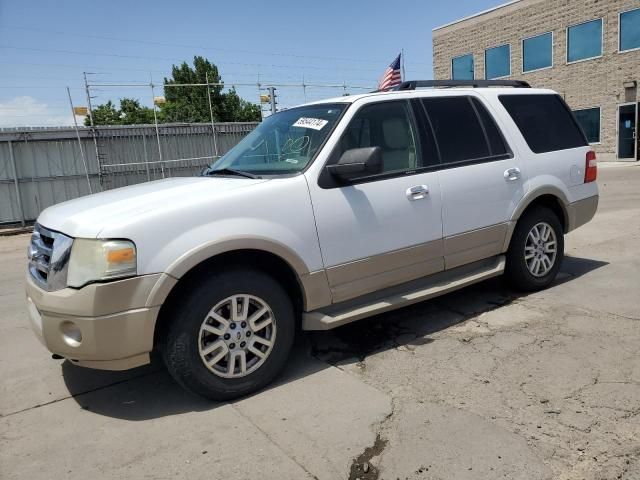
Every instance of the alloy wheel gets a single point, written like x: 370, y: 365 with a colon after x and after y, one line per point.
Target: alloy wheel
x: 237, y: 336
x: 540, y: 249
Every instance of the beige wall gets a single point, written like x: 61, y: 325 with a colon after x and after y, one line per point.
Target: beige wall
x: 591, y: 83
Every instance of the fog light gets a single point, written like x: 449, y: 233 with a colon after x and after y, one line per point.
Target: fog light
x: 71, y: 334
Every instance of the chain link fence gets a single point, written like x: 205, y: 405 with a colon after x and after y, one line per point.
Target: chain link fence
x: 40, y: 167
x: 141, y: 153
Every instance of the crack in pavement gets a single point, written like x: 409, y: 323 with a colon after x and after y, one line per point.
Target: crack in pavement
x: 361, y: 469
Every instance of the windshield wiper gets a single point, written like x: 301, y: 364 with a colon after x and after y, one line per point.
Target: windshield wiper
x: 230, y: 171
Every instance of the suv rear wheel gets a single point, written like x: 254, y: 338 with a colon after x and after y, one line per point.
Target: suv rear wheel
x: 536, y: 250
x: 231, y: 336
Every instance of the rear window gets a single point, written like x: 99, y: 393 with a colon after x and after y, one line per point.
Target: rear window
x: 545, y: 121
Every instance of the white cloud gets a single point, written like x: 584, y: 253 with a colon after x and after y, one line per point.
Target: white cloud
x: 26, y: 111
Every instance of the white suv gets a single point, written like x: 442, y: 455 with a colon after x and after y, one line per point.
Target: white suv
x: 325, y: 214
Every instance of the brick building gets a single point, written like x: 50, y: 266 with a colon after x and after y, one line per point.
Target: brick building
x: 587, y: 50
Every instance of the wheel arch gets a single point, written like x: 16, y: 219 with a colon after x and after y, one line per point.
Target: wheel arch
x: 550, y: 197
x: 309, y: 290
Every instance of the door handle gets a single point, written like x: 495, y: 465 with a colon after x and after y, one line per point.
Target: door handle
x: 512, y: 174
x: 417, y: 192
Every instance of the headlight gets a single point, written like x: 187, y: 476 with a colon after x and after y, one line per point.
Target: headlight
x: 95, y: 260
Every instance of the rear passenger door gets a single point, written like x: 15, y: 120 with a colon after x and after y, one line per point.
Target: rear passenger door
x: 481, y: 178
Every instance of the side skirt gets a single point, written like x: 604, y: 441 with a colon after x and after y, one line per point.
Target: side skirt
x: 403, y: 295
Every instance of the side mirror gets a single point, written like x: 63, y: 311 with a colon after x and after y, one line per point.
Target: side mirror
x: 357, y: 162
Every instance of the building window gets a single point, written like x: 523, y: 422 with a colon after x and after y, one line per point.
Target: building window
x: 462, y: 68
x: 630, y: 30
x: 497, y: 62
x: 584, y: 41
x: 537, y: 52
x: 589, y: 120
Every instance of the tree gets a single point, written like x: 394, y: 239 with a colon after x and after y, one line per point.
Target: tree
x: 129, y: 113
x: 106, y: 114
x: 190, y: 104
x: 235, y: 109
x: 184, y: 104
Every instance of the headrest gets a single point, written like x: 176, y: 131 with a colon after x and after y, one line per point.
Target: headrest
x: 396, y: 134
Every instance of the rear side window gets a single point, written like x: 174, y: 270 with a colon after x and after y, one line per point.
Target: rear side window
x: 545, y: 121
x: 463, y: 129
x: 494, y: 137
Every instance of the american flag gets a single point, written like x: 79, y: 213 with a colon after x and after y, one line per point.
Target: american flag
x: 391, y: 76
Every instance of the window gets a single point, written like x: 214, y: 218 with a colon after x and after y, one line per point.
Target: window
x: 630, y: 30
x: 545, y: 122
x: 460, y: 134
x: 584, y: 41
x: 589, y: 121
x: 462, y: 68
x: 537, y: 52
x: 494, y: 137
x: 497, y: 62
x: 285, y: 143
x: 386, y: 125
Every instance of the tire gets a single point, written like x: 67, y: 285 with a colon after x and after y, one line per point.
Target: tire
x: 188, y: 339
x: 521, y: 270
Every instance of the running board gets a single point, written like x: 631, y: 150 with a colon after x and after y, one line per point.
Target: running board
x: 404, y: 295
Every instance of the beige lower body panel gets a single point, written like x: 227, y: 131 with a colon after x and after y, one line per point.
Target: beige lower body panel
x: 476, y: 245
x: 581, y: 212
x: 374, y: 273
x: 371, y: 274
x: 106, y: 326
x: 403, y: 295
x: 116, y: 365
x: 316, y: 291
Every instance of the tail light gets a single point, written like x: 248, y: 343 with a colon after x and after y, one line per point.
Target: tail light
x: 591, y: 167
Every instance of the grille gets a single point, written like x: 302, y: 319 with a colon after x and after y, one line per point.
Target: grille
x: 49, y: 257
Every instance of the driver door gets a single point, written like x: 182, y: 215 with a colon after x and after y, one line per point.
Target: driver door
x: 384, y: 229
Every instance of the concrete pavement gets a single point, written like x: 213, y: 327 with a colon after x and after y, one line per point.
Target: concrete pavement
x: 481, y: 383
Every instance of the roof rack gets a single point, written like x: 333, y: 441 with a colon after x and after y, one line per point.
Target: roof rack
x: 413, y: 84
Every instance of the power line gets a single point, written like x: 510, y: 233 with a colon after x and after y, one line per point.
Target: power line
x: 28, y: 106
x: 171, y: 59
x: 200, y: 47
x: 227, y: 76
x: 39, y: 86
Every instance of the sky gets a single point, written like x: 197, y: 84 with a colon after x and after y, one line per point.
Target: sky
x: 46, y: 45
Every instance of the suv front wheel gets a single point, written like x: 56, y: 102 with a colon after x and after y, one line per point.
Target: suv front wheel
x: 536, y: 250
x: 231, y: 336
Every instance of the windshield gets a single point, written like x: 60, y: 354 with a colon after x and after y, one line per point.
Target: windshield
x: 283, y: 143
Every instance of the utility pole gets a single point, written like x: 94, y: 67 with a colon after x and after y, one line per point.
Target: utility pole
x: 213, y: 125
x: 86, y: 89
x: 93, y: 127
x: 75, y: 123
x: 272, y: 99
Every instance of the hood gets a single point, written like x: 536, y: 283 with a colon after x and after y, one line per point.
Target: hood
x: 86, y: 216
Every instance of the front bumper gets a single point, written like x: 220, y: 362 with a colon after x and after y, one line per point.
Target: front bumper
x: 107, y: 326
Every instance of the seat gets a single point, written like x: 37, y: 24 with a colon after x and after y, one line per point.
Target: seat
x: 397, y: 151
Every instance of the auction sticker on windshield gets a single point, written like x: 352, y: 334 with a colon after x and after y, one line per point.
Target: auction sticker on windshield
x: 314, y: 123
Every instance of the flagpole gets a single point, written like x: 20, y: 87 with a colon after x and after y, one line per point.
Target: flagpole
x: 402, y: 63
